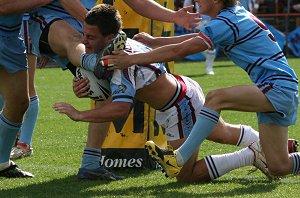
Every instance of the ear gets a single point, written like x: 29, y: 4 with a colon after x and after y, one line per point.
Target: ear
x: 109, y: 38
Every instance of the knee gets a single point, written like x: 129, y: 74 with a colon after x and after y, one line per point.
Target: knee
x: 213, y: 99
x: 279, y: 169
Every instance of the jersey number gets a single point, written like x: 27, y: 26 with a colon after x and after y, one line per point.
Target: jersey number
x: 262, y: 26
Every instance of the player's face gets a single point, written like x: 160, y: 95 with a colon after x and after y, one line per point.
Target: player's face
x: 92, y: 39
x: 205, y: 6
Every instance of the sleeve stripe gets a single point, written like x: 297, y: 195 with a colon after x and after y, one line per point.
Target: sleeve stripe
x: 206, y: 40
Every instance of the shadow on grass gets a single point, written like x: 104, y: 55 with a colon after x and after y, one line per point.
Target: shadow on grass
x: 72, y: 187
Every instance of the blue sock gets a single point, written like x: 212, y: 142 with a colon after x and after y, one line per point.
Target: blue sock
x: 91, y: 158
x: 29, y: 121
x: 8, y: 133
x: 1, y: 103
x: 88, y: 61
x: 206, y: 122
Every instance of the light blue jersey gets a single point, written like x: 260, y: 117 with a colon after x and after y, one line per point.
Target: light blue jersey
x: 126, y: 82
x: 10, y: 25
x: 42, y: 17
x: 238, y: 32
x: 12, y: 48
x: 53, y: 11
x: 251, y: 46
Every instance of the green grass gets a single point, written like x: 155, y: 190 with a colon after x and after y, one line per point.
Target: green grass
x: 58, y: 144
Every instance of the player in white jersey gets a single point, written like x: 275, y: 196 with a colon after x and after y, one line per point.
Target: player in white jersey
x: 251, y: 46
x: 178, y: 101
x: 13, y: 80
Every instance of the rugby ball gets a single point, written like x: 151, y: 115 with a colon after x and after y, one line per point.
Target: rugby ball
x: 99, y: 88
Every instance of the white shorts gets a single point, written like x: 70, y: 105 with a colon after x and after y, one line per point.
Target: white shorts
x: 179, y: 120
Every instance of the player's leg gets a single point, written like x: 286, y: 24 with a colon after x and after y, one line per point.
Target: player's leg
x: 1, y: 102
x: 274, y: 130
x: 65, y: 40
x: 90, y: 166
x: 278, y: 161
x: 239, y: 135
x: 14, y: 91
x: 242, y: 98
x: 24, y: 146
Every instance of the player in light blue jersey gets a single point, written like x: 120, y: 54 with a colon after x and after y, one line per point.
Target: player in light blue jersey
x: 251, y: 46
x: 61, y: 26
x: 177, y: 99
x: 13, y: 80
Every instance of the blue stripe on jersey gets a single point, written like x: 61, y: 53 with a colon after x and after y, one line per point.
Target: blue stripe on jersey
x: 10, y: 24
x: 10, y: 28
x: 232, y: 26
x: 260, y: 61
x: 249, y: 36
x: 280, y: 77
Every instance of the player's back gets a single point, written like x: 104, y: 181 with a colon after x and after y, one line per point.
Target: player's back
x: 148, y: 83
x: 250, y: 45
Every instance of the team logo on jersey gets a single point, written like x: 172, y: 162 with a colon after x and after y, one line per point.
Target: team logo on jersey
x: 121, y: 89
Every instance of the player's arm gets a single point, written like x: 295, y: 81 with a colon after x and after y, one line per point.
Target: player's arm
x: 155, y: 42
x: 155, y: 11
x: 20, y: 6
x: 165, y: 53
x: 75, y: 8
x: 107, y: 113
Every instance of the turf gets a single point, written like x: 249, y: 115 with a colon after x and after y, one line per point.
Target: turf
x: 58, y: 143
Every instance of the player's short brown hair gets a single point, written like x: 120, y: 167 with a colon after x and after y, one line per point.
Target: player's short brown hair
x: 106, y: 18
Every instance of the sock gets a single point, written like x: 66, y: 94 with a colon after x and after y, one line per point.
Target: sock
x: 29, y: 121
x: 247, y: 136
x: 88, y: 61
x: 219, y: 165
x: 8, y: 133
x: 1, y: 103
x: 91, y: 158
x: 296, y: 162
x: 206, y: 122
x: 209, y: 59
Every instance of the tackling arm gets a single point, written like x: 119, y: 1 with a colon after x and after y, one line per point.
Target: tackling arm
x: 155, y: 11
x: 165, y: 53
x: 19, y: 6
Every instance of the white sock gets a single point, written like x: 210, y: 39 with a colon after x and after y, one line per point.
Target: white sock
x: 210, y: 58
x: 247, y: 136
x: 219, y: 165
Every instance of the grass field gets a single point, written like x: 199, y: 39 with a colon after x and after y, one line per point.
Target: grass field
x: 58, y: 144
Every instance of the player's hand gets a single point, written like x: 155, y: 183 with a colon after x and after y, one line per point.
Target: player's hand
x: 81, y: 87
x: 146, y: 39
x: 185, y: 18
x: 118, y: 60
x: 67, y: 109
